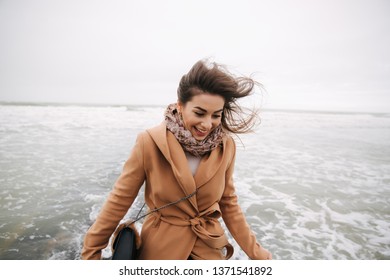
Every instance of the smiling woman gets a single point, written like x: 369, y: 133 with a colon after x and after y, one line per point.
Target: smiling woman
x: 186, y: 163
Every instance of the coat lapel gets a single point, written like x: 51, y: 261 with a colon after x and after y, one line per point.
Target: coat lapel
x: 174, y: 154
x: 209, y: 165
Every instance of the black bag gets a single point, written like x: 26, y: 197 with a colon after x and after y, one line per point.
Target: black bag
x: 124, y: 246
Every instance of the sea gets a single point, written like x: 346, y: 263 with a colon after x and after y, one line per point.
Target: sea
x: 312, y: 185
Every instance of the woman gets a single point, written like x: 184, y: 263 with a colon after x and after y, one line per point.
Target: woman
x: 191, y: 151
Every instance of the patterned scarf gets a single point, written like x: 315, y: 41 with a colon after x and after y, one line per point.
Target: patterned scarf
x: 185, y: 138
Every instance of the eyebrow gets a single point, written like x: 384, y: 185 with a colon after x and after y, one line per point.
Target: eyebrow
x: 204, y: 110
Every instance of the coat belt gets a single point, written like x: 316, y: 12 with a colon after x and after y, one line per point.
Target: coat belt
x: 198, y: 226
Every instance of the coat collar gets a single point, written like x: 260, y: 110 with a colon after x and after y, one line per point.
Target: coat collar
x: 174, y: 154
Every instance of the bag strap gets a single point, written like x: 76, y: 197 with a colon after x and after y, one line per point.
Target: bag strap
x: 162, y: 207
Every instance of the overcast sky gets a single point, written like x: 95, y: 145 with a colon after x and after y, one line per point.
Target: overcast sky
x: 315, y: 55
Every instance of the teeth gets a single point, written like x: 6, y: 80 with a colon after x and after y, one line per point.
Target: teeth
x: 203, y: 131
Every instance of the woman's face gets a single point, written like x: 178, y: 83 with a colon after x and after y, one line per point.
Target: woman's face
x: 202, y: 114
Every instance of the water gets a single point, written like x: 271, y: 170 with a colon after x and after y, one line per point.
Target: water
x: 312, y: 185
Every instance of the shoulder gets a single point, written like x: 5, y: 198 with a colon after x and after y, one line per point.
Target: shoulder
x: 152, y: 135
x: 229, y: 148
x: 157, y: 128
x: 157, y: 131
x: 229, y: 143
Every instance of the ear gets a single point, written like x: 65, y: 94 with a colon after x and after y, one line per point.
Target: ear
x: 179, y: 106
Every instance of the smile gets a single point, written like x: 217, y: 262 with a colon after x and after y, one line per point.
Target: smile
x: 200, y: 132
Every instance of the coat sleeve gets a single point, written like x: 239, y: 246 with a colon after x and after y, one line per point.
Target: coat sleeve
x: 235, y: 219
x: 117, y: 204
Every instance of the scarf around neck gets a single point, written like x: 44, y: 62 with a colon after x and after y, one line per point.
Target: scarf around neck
x: 195, y: 147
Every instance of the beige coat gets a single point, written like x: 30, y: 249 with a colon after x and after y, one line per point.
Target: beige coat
x: 190, y: 228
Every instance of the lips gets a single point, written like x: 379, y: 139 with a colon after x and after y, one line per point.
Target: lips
x: 200, y: 132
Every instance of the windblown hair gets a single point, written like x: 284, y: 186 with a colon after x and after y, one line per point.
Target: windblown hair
x: 217, y: 80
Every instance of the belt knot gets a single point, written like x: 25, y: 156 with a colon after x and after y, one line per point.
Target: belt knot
x: 197, y: 221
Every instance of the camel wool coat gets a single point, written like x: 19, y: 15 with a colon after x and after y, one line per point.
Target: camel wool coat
x: 188, y: 229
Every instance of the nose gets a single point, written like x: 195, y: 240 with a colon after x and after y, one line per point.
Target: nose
x: 207, y: 124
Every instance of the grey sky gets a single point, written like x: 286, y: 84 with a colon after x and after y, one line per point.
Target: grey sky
x: 326, y: 55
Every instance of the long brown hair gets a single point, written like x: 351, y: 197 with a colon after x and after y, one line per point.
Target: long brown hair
x: 216, y: 79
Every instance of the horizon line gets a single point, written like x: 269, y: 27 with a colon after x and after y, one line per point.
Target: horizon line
x: 83, y: 104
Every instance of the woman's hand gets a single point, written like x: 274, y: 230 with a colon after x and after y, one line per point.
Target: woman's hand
x: 265, y: 254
